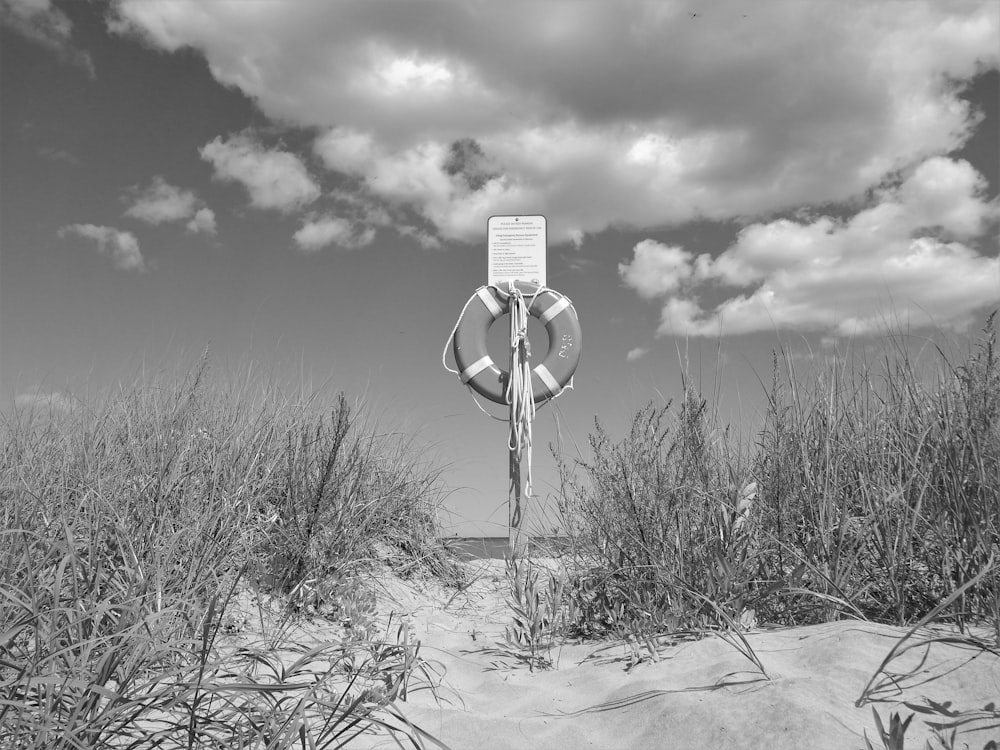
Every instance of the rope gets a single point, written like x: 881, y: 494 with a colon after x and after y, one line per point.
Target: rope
x: 519, y: 393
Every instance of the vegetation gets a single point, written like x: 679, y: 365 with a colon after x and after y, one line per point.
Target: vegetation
x: 872, y: 491
x: 128, y: 531
x: 538, y: 612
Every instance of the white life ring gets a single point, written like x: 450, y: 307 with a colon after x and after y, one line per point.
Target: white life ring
x: 478, y: 370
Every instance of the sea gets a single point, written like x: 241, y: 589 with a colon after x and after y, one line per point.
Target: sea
x: 495, y: 547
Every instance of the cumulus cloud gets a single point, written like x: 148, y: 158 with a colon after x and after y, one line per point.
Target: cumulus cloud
x: 44, y: 24
x: 331, y: 230
x: 162, y: 202
x: 450, y: 186
x: 274, y: 179
x: 656, y: 269
x: 121, y: 247
x: 203, y: 220
x: 637, y: 353
x: 910, y: 254
x: 609, y: 114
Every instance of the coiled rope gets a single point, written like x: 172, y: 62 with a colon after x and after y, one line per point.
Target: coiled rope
x: 519, y: 394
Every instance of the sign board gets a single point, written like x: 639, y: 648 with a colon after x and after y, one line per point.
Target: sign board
x: 516, y: 247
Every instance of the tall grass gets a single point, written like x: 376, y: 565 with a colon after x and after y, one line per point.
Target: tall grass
x: 657, y: 509
x: 884, y: 483
x: 126, y: 529
x: 871, y: 490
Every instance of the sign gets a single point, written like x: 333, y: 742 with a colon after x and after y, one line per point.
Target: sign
x: 516, y: 247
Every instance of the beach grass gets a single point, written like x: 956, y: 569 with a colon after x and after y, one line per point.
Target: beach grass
x: 130, y: 527
x: 870, y: 491
x: 140, y: 532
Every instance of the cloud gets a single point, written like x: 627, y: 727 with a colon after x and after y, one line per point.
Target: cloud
x: 424, y: 239
x: 274, y: 179
x: 121, y: 247
x: 54, y: 154
x: 203, y: 220
x: 44, y: 24
x: 609, y: 114
x: 162, y: 202
x: 637, y: 353
x: 911, y: 255
x: 49, y: 402
x: 450, y: 186
x: 331, y: 230
x: 656, y: 269
x: 467, y: 161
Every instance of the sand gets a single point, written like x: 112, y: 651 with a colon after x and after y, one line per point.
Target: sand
x: 700, y: 694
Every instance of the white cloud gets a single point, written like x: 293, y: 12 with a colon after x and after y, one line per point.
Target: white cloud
x: 945, y: 193
x: 274, y: 179
x: 656, y: 269
x: 423, y: 238
x: 162, y: 202
x: 43, y: 23
x: 121, y: 247
x: 609, y: 114
x: 907, y: 256
x: 203, y: 220
x: 346, y: 150
x: 331, y: 230
x: 637, y: 353
x: 452, y: 187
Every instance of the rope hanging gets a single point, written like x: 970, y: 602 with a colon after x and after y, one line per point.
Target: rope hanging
x: 519, y: 393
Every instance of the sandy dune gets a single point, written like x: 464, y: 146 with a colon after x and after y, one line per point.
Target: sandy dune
x: 701, y: 693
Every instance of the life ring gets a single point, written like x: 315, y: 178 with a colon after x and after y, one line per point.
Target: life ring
x: 478, y: 370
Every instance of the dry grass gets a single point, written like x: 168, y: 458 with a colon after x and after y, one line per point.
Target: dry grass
x: 129, y: 526
x: 871, y: 491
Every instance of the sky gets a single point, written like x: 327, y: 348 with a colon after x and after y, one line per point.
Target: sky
x: 305, y: 186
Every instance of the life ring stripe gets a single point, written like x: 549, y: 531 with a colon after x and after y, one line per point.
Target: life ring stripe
x: 490, y: 301
x: 557, y: 307
x: 546, y: 377
x: 475, y: 368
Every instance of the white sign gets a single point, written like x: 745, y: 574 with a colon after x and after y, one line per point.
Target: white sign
x: 516, y: 246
